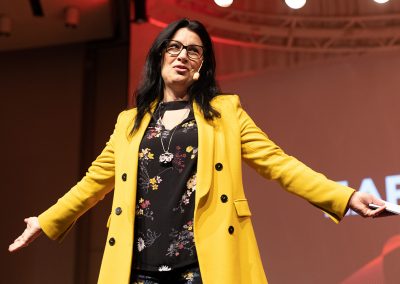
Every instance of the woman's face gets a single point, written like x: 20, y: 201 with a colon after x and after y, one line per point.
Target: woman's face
x: 177, y: 70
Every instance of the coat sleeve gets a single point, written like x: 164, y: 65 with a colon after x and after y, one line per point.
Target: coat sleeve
x: 98, y: 181
x: 271, y: 162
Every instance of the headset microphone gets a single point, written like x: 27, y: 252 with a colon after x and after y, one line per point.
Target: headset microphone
x: 196, y: 74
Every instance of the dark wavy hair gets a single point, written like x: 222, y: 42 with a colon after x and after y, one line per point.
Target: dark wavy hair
x: 151, y: 87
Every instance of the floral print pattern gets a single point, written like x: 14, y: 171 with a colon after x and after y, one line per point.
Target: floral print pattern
x: 154, y: 182
x: 146, y: 240
x: 155, y: 131
x: 145, y: 157
x: 179, y: 159
x: 164, y: 237
x: 190, y: 125
x: 164, y: 268
x: 191, y: 187
x: 191, y: 276
x: 145, y: 154
x: 192, y: 151
x: 143, y: 209
x: 182, y: 240
x: 165, y: 274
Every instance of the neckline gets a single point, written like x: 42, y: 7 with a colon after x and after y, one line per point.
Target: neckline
x: 174, y: 105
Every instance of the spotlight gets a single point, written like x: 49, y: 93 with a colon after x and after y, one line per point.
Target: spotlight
x: 5, y: 26
x: 223, y: 3
x: 381, y: 1
x: 71, y: 17
x: 295, y: 4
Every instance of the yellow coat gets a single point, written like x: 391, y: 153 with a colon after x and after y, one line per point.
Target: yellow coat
x: 224, y: 237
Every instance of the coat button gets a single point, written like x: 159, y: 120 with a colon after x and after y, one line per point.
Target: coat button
x: 231, y: 229
x: 224, y: 198
x: 124, y: 176
x: 111, y: 241
x: 218, y: 166
x: 118, y: 210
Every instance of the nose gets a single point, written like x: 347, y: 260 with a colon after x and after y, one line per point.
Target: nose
x: 183, y: 56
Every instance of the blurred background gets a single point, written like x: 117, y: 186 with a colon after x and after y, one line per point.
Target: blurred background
x: 320, y: 77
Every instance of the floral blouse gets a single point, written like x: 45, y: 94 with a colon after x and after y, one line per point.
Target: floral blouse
x: 164, y: 237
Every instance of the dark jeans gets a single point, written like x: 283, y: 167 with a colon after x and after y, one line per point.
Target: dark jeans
x: 186, y: 275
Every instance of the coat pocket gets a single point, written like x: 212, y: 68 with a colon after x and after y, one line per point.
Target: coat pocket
x: 242, y: 208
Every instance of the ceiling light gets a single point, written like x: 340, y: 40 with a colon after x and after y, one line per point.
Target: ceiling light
x: 295, y: 4
x: 223, y: 3
x: 381, y: 1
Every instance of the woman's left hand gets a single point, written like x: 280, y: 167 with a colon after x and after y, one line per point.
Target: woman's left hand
x: 359, y: 202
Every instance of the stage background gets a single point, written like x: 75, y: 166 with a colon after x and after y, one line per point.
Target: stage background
x: 339, y: 116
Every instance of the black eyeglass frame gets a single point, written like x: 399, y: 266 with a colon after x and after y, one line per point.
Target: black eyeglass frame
x: 182, y: 47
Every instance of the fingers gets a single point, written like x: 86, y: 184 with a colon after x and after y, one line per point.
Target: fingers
x: 375, y: 212
x: 31, y: 232
x: 359, y: 202
x: 19, y: 243
x: 379, y: 211
x: 377, y: 201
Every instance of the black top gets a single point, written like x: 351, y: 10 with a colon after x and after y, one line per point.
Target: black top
x: 164, y: 237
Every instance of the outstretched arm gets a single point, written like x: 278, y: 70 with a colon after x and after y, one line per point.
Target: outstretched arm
x: 271, y: 162
x: 32, y: 231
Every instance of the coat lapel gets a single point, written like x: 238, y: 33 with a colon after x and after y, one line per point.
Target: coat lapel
x: 205, y: 153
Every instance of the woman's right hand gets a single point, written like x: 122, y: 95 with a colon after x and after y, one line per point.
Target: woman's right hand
x: 32, y: 231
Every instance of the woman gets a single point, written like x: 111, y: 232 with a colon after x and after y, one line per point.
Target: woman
x: 179, y: 212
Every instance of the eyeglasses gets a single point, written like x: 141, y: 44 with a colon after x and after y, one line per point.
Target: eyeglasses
x: 175, y: 47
